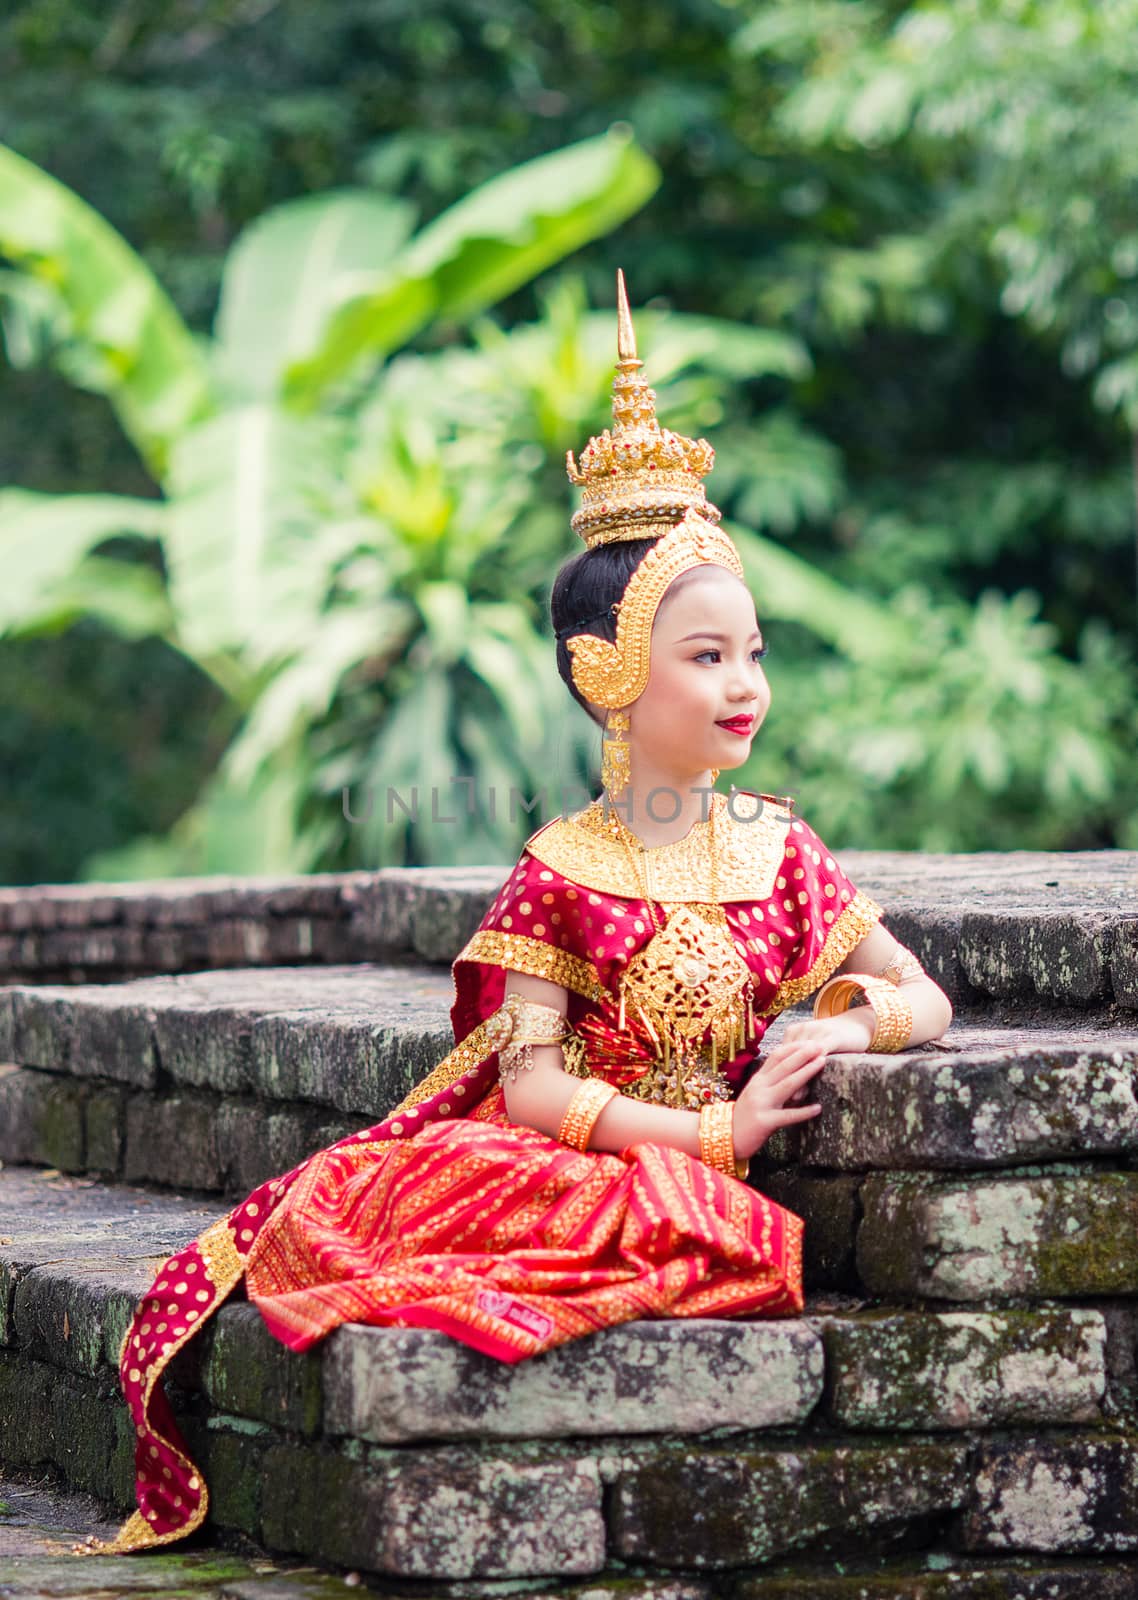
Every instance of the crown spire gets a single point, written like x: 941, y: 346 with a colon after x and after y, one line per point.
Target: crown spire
x: 625, y: 332
x: 637, y: 480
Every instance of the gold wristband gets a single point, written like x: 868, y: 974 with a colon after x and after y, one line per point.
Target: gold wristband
x: 717, y: 1139
x: 893, y: 1027
x: 583, y: 1110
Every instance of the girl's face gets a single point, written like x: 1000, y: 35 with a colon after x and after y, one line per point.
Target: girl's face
x: 705, y: 673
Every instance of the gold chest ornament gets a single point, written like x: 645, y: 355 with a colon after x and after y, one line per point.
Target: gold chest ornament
x: 692, y: 991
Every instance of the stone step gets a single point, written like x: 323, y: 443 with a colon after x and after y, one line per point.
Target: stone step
x: 80, y: 932
x: 218, y: 1080
x: 40, y: 1525
x: 1065, y: 1231
x: 403, y: 1454
x: 354, y: 1038
x: 939, y: 1577
x: 1061, y: 927
x: 982, y: 1096
x: 1029, y: 954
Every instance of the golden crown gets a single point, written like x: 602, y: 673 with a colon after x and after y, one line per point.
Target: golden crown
x: 638, y: 480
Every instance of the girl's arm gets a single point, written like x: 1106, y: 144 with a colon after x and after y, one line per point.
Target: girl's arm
x: 539, y: 1097
x: 932, y: 1009
x: 852, y: 1030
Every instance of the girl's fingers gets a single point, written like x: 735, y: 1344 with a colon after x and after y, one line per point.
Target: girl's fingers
x: 798, y: 1114
x: 785, y: 1053
x: 793, y: 1088
x: 776, y: 1067
x: 803, y: 1075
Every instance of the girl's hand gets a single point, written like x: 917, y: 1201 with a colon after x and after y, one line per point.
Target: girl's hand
x: 851, y: 1030
x: 773, y: 1096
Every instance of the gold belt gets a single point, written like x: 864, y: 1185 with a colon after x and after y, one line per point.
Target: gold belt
x: 687, y: 1086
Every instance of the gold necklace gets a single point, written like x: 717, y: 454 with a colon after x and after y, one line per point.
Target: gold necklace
x: 689, y: 981
x: 636, y: 855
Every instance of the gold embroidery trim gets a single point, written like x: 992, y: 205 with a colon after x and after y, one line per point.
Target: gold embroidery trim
x: 225, y: 1267
x: 540, y: 960
x: 220, y: 1257
x: 846, y: 933
x: 587, y: 850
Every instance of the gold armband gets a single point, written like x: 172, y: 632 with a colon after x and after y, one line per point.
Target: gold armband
x: 583, y: 1110
x: 904, y: 964
x: 717, y: 1139
x: 519, y: 1024
x: 894, y: 1014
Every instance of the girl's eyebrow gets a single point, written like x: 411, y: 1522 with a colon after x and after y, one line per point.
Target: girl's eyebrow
x: 720, y: 638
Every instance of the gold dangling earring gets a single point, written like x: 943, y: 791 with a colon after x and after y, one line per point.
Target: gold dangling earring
x: 714, y: 774
x: 616, y: 767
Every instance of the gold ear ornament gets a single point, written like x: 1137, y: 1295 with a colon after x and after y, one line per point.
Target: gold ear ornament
x: 616, y: 768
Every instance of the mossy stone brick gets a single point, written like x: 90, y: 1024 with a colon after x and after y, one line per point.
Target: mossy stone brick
x: 104, y: 1122
x: 245, y: 1371
x: 1008, y: 1098
x: 1062, y: 955
x: 965, y: 1369
x: 980, y: 1237
x: 828, y: 1204
x: 41, y: 1119
x: 391, y: 1385
x: 441, y: 1514
x: 945, y: 1577
x: 1072, y: 1494
x: 172, y: 1140
x: 754, y: 1505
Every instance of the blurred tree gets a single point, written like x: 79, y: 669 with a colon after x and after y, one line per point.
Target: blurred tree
x: 266, y: 526
x: 844, y: 173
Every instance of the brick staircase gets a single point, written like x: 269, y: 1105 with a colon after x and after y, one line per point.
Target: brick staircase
x: 954, y: 1416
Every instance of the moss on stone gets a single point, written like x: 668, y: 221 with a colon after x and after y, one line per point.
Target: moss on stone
x: 756, y: 1505
x: 965, y: 1369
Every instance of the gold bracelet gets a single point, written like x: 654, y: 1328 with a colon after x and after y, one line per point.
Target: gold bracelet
x: 583, y: 1110
x: 519, y: 1024
x: 893, y: 1027
x: 717, y: 1139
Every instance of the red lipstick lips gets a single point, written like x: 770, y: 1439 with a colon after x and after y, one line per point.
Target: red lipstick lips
x: 741, y: 725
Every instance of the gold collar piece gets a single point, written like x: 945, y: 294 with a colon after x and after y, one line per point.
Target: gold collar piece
x: 751, y: 835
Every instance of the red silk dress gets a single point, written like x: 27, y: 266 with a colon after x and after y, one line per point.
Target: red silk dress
x: 446, y: 1215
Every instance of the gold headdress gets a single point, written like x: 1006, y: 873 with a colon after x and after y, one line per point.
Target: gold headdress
x: 640, y: 481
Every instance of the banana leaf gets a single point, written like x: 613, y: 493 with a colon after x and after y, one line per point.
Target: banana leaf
x: 249, y: 491
x: 130, y: 342
x: 499, y: 237
x: 288, y: 271
x: 44, y: 536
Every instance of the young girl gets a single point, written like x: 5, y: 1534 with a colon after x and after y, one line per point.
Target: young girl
x: 576, y: 1161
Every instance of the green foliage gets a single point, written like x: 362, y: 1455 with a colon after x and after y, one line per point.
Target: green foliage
x: 289, y: 568
x: 976, y: 704
x: 903, y: 240
x: 497, y: 238
x: 112, y: 328
x: 1028, y: 112
x: 44, y: 541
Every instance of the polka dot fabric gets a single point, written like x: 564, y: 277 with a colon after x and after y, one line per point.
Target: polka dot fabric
x: 581, y: 938
x: 814, y: 917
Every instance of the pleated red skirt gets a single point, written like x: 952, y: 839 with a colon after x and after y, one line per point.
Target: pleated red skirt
x: 509, y: 1241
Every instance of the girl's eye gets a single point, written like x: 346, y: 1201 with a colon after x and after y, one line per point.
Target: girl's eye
x: 757, y: 653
